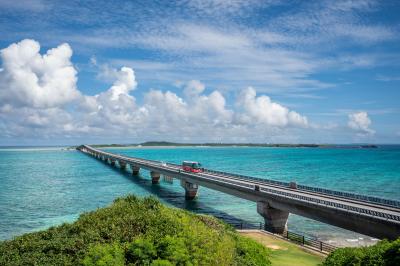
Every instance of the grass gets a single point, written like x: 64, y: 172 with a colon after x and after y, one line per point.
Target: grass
x: 285, y: 253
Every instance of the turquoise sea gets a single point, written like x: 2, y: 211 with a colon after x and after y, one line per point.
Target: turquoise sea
x: 42, y: 187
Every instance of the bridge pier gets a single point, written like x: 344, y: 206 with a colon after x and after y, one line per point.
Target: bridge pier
x: 135, y: 169
x: 190, y: 189
x: 112, y: 162
x: 275, y: 219
x: 122, y: 165
x: 155, y: 177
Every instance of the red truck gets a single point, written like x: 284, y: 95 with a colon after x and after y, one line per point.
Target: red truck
x: 193, y: 167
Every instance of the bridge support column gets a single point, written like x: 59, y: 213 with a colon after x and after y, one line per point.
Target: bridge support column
x: 112, y: 162
x: 135, y: 169
x: 155, y: 177
x: 190, y: 189
x: 275, y: 220
x: 122, y: 165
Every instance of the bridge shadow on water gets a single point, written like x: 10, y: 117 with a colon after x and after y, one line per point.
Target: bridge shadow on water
x: 164, y: 191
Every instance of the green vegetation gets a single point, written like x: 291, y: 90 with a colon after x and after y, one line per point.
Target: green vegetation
x: 135, y: 231
x: 383, y: 253
x: 284, y: 253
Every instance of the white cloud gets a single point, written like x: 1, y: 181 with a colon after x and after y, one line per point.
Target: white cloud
x: 24, y: 5
x: 387, y: 78
x: 329, y: 23
x: 55, y: 107
x: 124, y: 84
x: 193, y: 88
x: 223, y: 43
x: 262, y: 110
x: 360, y: 122
x: 364, y: 33
x: 31, y: 79
x: 115, y: 106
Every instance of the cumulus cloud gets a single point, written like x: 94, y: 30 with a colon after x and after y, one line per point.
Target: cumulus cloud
x: 115, y: 106
x: 39, y: 97
x: 263, y: 110
x: 31, y: 79
x: 193, y: 88
x: 360, y: 122
x: 124, y: 84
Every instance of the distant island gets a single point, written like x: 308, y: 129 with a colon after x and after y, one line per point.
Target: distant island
x: 213, y: 144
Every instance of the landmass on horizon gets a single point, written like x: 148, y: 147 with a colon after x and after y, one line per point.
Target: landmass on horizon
x: 221, y: 144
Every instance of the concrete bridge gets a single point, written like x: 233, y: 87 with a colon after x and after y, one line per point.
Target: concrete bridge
x: 367, y: 215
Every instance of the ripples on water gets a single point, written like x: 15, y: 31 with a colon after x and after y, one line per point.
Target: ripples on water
x: 45, y: 187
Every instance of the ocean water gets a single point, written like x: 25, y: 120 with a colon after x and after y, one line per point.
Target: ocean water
x: 44, y: 187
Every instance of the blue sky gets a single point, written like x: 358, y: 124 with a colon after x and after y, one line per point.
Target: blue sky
x: 237, y: 71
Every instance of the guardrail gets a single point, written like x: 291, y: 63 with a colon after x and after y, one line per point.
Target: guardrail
x: 382, y: 201
x: 348, y: 195
x: 333, y: 204
x: 309, y: 241
x: 292, y: 236
x: 267, y: 181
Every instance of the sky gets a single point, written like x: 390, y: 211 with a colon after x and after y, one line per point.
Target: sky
x: 74, y: 72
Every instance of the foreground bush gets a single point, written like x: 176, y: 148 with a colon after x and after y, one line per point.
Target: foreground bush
x: 383, y: 253
x: 135, y: 231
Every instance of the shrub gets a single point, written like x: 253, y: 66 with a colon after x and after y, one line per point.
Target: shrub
x: 135, y: 231
x: 251, y: 253
x: 142, y: 251
x: 102, y: 255
x: 382, y: 253
x: 392, y: 254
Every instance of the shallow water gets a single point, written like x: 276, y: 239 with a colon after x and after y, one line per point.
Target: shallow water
x: 45, y: 187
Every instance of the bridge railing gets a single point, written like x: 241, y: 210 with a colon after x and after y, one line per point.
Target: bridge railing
x: 333, y: 204
x: 267, y: 181
x: 292, y: 236
x: 376, y: 200
x: 342, y: 194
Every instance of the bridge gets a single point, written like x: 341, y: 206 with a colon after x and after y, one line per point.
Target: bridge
x: 372, y: 216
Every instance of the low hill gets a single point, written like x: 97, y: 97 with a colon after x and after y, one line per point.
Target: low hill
x: 135, y: 231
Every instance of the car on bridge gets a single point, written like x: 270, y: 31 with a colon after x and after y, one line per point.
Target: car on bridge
x: 194, y: 167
